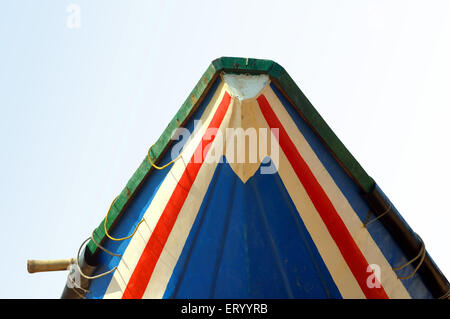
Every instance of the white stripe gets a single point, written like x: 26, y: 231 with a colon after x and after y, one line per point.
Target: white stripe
x: 186, y: 217
x: 138, y: 242
x: 328, y: 250
x: 391, y: 284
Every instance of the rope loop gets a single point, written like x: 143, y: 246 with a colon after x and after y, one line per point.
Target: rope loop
x: 103, y: 248
x: 82, y: 273
x: 78, y: 294
x: 446, y: 295
x: 160, y: 167
x: 106, y: 221
x: 109, y: 236
x: 422, y: 253
x: 368, y: 222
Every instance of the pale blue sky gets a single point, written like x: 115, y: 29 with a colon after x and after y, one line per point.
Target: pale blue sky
x: 80, y: 107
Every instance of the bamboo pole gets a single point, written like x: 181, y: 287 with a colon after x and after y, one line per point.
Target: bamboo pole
x: 49, y: 265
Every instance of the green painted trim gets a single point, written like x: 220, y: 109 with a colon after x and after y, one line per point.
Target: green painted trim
x: 236, y: 65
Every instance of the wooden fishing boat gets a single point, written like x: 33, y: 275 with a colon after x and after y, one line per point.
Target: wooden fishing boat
x: 248, y: 193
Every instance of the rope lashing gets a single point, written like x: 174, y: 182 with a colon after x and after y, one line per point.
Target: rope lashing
x: 368, y: 222
x: 83, y: 274
x: 103, y: 248
x: 109, y: 210
x: 160, y: 167
x: 422, y: 253
x: 106, y: 221
x: 446, y: 295
x: 109, y: 236
x: 78, y: 286
x: 79, y: 295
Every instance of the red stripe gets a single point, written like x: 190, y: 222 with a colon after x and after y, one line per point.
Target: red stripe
x: 142, y: 273
x: 336, y: 227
